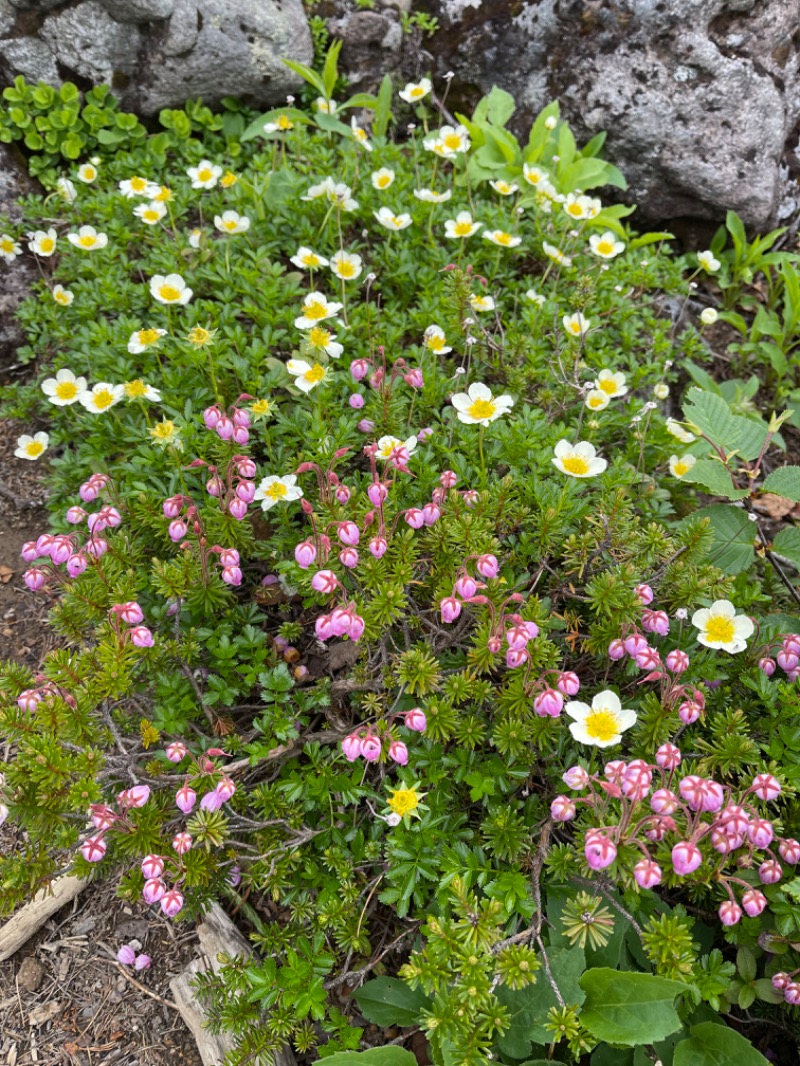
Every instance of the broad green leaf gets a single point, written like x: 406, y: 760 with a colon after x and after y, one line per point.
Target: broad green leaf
x: 784, y: 482
x: 629, y: 1008
x: 368, y: 100
x: 736, y: 230
x: 734, y: 537
x: 649, y: 238
x: 256, y: 127
x: 332, y: 124
x: 787, y: 545
x: 389, y: 1001
x: 306, y: 73
x: 529, y: 1006
x: 505, y: 141
x: 383, y: 109
x: 713, y: 1045
x: 712, y: 475
x: 752, y: 435
x: 330, y: 71
x: 712, y: 416
x: 500, y: 106
x: 375, y: 1056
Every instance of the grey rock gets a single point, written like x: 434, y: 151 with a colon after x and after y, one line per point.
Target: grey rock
x: 30, y: 57
x: 182, y: 30
x: 37, y: 5
x: 371, y: 42
x: 87, y: 41
x: 17, y: 279
x: 7, y: 17
x: 139, y: 10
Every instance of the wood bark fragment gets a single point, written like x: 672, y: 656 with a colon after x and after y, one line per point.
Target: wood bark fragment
x: 21, y: 926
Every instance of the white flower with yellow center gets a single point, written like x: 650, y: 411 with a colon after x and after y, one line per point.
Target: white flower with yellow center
x: 450, y: 142
x: 612, y: 383
x: 481, y: 303
x: 722, y: 628
x: 605, y: 245
x: 9, y: 249
x: 477, y: 406
x: 63, y: 297
x: 166, y: 433
x: 346, y: 265
x: 577, y: 325
x: 261, y: 409
x: 143, y: 339
x: 43, y: 242
x: 316, y: 308
x: 150, y: 213
x: 163, y: 194
x: 88, y: 239
x: 429, y: 196
x: 320, y: 339
x: 31, y: 447
x: 546, y: 196
x: 390, y: 220
x: 138, y: 186
x: 306, y: 376
x: 361, y: 137
x: 415, y: 91
x: 534, y: 175
x: 340, y: 195
x: 556, y: 254
x: 327, y: 107
x: 382, y: 179
x: 661, y: 391
x: 87, y: 173
x: 597, y: 400
x: 680, y: 467
x: 101, y: 397
x: 708, y: 261
x: 196, y: 238
x: 140, y: 390
x: 387, y: 446
x: 66, y: 190
x: 602, y: 724
x: 504, y: 188
x: 501, y: 238
x: 435, y: 340
x: 274, y: 489
x: 171, y: 289
x: 535, y: 297
x: 205, y: 175
x: 307, y: 259
x: 675, y: 429
x: 324, y: 188
x: 461, y: 226
x: 578, y: 460
x: 580, y: 207
x: 281, y: 124
x: 231, y: 222
x: 64, y: 389
x: 708, y: 316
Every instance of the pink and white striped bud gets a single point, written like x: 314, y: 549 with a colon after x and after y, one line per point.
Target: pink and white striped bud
x: 305, y: 554
x: 686, y: 857
x: 325, y: 581
x: 791, y: 642
x: 414, y: 378
x: 668, y: 757
x: 450, y: 609
x: 615, y: 770
x: 516, y: 636
x: 766, y: 787
x: 659, y: 828
x: 366, y: 425
x: 723, y: 842
x: 153, y: 890
x: 677, y: 661
x: 516, y: 657
x: 237, y: 509
x: 323, y: 627
x: 173, y: 506
x: 378, y: 547
x: 135, y: 797
x: 182, y: 842
x: 93, y: 849
x: 246, y: 491
x: 102, y: 817
x: 414, y: 518
x: 342, y: 493
x: 240, y: 435
x: 789, y: 850
x: 599, y: 850
x: 787, y: 660
x: 466, y: 588
x: 185, y: 799
x: 142, y: 962
x: 126, y: 955
x: 712, y: 798
x: 616, y: 650
x: 76, y: 564
x: 549, y: 703
x: 231, y: 575
x: 96, y: 547
x: 689, y: 712
x: 398, y: 752
x: 415, y: 720
x: 241, y: 417
x: 635, y: 643
x: 487, y: 566
x: 245, y: 467
x: 636, y: 780
x: 172, y: 902
x: 229, y: 557
x: 649, y: 659
x: 448, y: 479
x: 215, y: 486
x: 359, y: 369
x: 647, y: 873
x: 141, y: 637
x: 729, y: 912
x: 780, y: 980
x: 28, y: 700
x: 770, y: 872
x: 75, y: 515
x: 152, y: 866
x: 357, y: 627
x: 35, y: 578
x: 377, y: 493
x: 576, y: 778
x: 349, y: 557
x: 356, y: 401
x: 351, y: 747
x: 767, y: 666
x: 431, y: 513
x: 734, y: 820
x: 644, y: 594
x: 562, y: 809
x: 760, y: 833
x: 568, y: 683
x: 177, y: 530
x: 30, y: 553
x: 61, y: 549
x: 664, y: 801
x: 226, y: 789
x: 224, y: 428
x: 371, y: 748
x: 211, y: 416
x: 348, y: 533
x: 655, y: 622
x: 792, y: 993
x: 211, y: 802
x: 341, y: 620
x: 754, y: 901
x: 130, y: 613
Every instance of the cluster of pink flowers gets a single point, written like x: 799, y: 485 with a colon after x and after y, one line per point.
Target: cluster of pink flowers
x: 129, y: 955
x: 72, y: 550
x: 185, y: 516
x: 787, y: 658
x: 132, y: 615
x: 787, y: 986
x: 465, y: 589
x: 695, y: 809
x: 29, y: 699
x: 232, y: 423
x: 236, y: 489
x: 367, y: 744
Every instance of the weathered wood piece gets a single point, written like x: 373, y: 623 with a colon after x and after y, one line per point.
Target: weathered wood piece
x: 21, y: 926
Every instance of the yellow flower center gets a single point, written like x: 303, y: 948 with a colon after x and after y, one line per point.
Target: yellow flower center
x: 315, y: 310
x: 435, y: 342
x: 502, y: 238
x: 164, y: 194
x: 284, y: 123
x: 66, y: 390
x: 403, y: 801
x: 575, y: 464
x: 204, y: 175
x: 680, y: 469
x: 383, y: 181
x: 47, y: 244
x: 416, y: 92
x: 575, y: 210
x: 147, y: 336
x: 575, y: 327
x: 62, y: 297
x: 276, y: 491
x: 6, y: 245
x: 534, y: 177
x: 482, y: 409
x: 103, y: 399
x: 138, y: 184
x: 151, y: 215
x: 596, y: 401
x: 452, y: 141
x: 163, y: 430
x: 34, y: 449
x: 228, y: 179
x: 605, y: 247
x: 602, y: 725
x: 310, y: 259
x: 315, y: 374
x: 319, y: 337
x: 134, y: 390
x: 346, y: 269
x: 462, y: 229
x: 608, y: 385
x: 89, y: 173
x: 169, y: 293
x: 198, y: 336
x: 88, y: 240
x: 261, y: 407
x: 719, y: 628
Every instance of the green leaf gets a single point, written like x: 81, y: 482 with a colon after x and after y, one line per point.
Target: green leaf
x: 332, y: 124
x: 629, y: 1008
x: 713, y: 1045
x: 712, y: 475
x: 499, y: 106
x: 383, y: 109
x: 376, y: 1056
x: 784, y: 482
x: 368, y: 100
x: 530, y: 1005
x: 712, y: 416
x: 330, y: 71
x: 746, y: 964
x: 306, y: 73
x: 389, y: 1001
x: 650, y: 238
x: 734, y: 537
x: 787, y: 545
x: 256, y: 127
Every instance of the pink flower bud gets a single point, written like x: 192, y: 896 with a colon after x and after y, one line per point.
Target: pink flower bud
x: 615, y: 770
x: 102, y: 817
x: 791, y: 642
x: 246, y: 491
x: 173, y: 506
x: 215, y: 486
x: 153, y: 890
x: 648, y: 659
x: 448, y: 479
x: 377, y: 492
x: 568, y: 683
x: 365, y: 426
x: 237, y: 509
x: 348, y: 533
x: 357, y: 627
x: 135, y: 797
x: 211, y: 802
x: 517, y: 636
x: 172, y: 902
x: 130, y: 613
x: 141, y: 637
x: 644, y: 594
x: 231, y: 575
x: 324, y: 581
x: 75, y: 515
x: 431, y: 514
x: 226, y: 789
x: 415, y: 719
x: 754, y: 901
x: 689, y: 712
x: 635, y: 643
x: 766, y: 787
x: 76, y: 564
x: 152, y: 866
x: 562, y: 809
x: 487, y: 566
x: 359, y: 369
x: 655, y: 622
x: 466, y: 588
x: 686, y: 857
x: 647, y: 873
x: 664, y: 801
x: 780, y: 980
x: 323, y: 627
x: 668, y: 757
x: 96, y: 547
x: 767, y: 666
x: 760, y: 833
x: 245, y: 467
x: 789, y: 851
x: 414, y: 518
x: 143, y: 962
x: 30, y: 553
x: 34, y: 578
x: 126, y: 955
x: 548, y: 703
x: 351, y: 746
x: 182, y: 842
x: 787, y: 660
x: 229, y: 557
x: 450, y: 608
x: 28, y: 700
x: 356, y: 401
x: 729, y: 912
x: 516, y: 657
x: 371, y: 748
x: 224, y: 428
x: 93, y: 849
x: 378, y: 547
x: 60, y: 550
x: 305, y: 553
x: 342, y: 493
x: 599, y: 850
x: 677, y: 661
x: 792, y: 993
x: 240, y: 435
x: 177, y: 530
x: 185, y: 799
x: 734, y: 820
x: 616, y: 650
x: 576, y: 778
x: 211, y: 416
x: 234, y: 877
x: 398, y: 752
x: 414, y: 378
x: 770, y: 872
x: 348, y: 557
x: 241, y: 417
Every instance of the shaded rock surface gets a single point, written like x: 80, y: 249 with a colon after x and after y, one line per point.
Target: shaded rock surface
x: 15, y: 287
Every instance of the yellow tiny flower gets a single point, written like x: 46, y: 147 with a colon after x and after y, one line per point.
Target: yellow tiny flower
x: 228, y: 179
x: 199, y: 337
x: 261, y: 409
x: 166, y: 432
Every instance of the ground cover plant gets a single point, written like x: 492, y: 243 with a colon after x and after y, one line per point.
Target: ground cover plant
x: 413, y: 582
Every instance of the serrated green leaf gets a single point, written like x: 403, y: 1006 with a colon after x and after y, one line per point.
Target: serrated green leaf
x: 713, y: 1045
x: 712, y: 475
x: 787, y: 545
x: 784, y: 482
x: 629, y: 1008
x: 734, y: 537
x: 712, y: 416
x: 389, y: 1001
